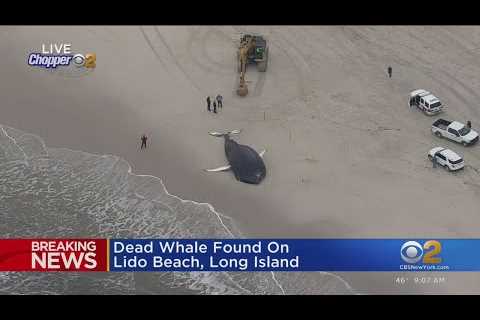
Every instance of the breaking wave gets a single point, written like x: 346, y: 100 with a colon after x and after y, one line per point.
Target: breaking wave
x: 63, y: 193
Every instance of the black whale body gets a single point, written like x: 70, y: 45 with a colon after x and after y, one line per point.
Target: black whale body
x: 246, y: 163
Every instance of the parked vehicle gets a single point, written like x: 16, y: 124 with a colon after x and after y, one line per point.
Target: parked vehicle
x: 455, y: 131
x: 446, y: 158
x: 425, y: 101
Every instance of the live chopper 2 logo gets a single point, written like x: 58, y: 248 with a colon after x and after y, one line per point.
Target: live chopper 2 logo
x: 59, y: 58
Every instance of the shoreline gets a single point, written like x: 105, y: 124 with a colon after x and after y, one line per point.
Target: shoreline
x: 129, y: 171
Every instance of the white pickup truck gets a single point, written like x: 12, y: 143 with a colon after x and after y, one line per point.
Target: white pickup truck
x: 425, y: 101
x: 455, y: 131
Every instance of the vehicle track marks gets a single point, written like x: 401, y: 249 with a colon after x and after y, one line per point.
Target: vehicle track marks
x: 152, y: 47
x: 175, y: 60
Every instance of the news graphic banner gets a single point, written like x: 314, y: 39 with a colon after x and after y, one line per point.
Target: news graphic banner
x: 188, y: 255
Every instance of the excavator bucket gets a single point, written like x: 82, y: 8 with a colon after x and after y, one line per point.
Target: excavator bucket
x: 242, y: 88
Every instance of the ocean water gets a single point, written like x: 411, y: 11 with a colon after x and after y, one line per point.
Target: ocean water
x: 63, y: 193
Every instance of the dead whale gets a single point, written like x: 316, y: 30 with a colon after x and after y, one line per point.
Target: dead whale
x: 246, y: 164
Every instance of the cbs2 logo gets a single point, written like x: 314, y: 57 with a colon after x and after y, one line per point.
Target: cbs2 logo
x: 413, y: 252
x: 88, y: 61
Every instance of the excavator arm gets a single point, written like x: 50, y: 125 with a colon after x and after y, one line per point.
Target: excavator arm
x: 246, y: 45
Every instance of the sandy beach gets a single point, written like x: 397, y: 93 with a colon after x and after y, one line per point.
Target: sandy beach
x: 346, y: 156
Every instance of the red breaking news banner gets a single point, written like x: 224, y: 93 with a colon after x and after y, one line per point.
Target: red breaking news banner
x: 53, y: 255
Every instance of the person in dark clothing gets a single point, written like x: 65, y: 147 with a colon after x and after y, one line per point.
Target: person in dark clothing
x: 208, y: 104
x: 389, y: 71
x: 214, y: 107
x: 434, y: 161
x: 469, y: 124
x: 219, y: 101
x: 144, y: 141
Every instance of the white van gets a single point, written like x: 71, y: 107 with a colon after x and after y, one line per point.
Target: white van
x: 425, y: 101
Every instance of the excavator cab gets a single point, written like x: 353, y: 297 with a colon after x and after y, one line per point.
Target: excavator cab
x: 260, y: 47
x: 257, y: 51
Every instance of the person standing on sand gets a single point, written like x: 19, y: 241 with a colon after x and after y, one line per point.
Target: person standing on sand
x: 208, y: 104
x: 214, y: 107
x: 144, y: 141
x: 389, y: 71
x: 219, y: 101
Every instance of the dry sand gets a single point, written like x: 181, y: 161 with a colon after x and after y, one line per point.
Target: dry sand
x: 346, y: 156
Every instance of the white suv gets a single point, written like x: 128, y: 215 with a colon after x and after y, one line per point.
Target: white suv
x: 446, y: 158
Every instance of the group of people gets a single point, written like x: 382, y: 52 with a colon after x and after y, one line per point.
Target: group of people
x: 217, y: 102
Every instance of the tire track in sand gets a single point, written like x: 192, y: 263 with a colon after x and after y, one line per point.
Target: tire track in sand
x: 152, y: 47
x: 197, y: 48
x: 165, y: 56
x: 175, y: 61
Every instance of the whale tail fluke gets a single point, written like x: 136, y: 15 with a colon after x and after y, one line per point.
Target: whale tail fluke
x: 219, y: 134
x: 235, y: 131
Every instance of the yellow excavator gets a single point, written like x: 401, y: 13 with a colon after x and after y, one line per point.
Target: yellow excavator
x: 252, y: 49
